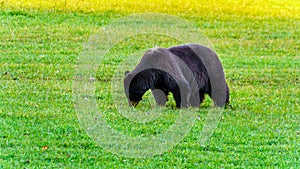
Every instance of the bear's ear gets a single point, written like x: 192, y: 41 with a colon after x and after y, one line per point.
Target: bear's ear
x: 127, y: 72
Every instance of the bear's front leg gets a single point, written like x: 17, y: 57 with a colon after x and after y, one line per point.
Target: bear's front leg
x: 182, y: 95
x: 177, y: 97
x: 195, y: 99
x: 160, y: 97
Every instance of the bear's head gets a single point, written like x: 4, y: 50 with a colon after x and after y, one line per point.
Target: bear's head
x: 133, y: 92
x: 135, y: 85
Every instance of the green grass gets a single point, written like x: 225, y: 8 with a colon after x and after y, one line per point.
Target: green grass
x: 38, y: 52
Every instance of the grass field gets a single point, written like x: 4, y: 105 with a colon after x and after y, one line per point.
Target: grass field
x: 257, y: 42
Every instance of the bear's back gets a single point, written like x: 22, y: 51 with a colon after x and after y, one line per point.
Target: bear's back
x: 193, y: 61
x: 162, y: 59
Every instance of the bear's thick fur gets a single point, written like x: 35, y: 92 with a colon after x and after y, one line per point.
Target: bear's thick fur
x: 180, y: 70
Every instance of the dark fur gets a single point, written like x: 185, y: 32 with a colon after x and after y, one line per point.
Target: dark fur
x: 161, y: 83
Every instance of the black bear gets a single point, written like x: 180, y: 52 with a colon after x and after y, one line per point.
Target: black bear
x: 188, y: 71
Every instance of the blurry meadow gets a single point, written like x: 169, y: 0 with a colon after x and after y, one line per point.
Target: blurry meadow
x: 257, y: 41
